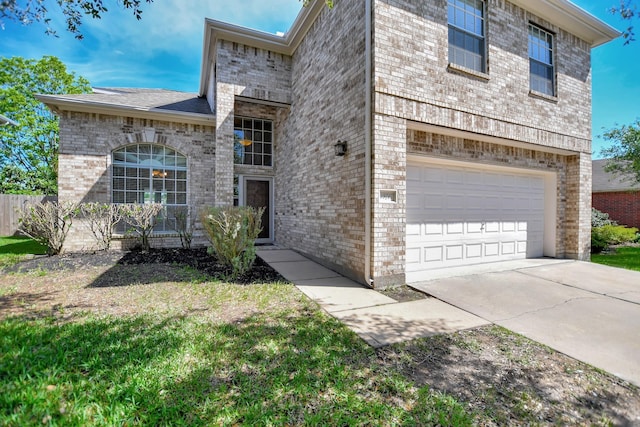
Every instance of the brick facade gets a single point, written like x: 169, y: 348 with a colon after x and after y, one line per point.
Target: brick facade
x: 320, y: 197
x: 84, y: 163
x: 315, y: 93
x: 622, y: 206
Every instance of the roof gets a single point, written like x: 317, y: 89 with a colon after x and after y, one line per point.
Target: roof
x: 6, y: 121
x: 562, y: 13
x: 146, y: 103
x: 606, y: 181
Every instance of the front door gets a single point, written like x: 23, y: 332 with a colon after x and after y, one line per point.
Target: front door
x: 258, y: 194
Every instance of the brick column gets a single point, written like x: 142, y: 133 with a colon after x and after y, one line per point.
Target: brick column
x: 578, y: 213
x: 224, y: 144
x: 389, y: 219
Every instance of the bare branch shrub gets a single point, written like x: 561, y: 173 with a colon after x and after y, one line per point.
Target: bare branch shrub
x: 142, y: 219
x: 185, y: 222
x: 48, y: 223
x: 232, y: 231
x: 102, y: 219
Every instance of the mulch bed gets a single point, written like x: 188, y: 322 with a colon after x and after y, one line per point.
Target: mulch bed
x: 197, y: 258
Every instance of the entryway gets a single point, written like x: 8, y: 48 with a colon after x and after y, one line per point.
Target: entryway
x: 257, y: 192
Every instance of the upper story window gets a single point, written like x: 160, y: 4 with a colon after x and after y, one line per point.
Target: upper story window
x: 150, y: 173
x: 253, y: 142
x: 541, y: 71
x: 467, y: 34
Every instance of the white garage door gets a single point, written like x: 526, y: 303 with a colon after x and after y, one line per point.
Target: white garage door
x: 461, y: 216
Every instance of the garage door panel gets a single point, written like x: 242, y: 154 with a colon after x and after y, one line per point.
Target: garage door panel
x: 463, y: 216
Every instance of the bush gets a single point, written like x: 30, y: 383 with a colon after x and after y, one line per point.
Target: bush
x: 48, y: 223
x: 232, y: 231
x: 185, y: 221
x: 598, y: 218
x: 102, y: 218
x: 142, y: 219
x: 602, y: 237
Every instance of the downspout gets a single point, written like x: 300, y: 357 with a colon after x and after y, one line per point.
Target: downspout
x: 368, y: 53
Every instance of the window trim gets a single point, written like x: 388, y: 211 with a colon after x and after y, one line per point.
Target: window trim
x: 552, y: 56
x: 484, y: 72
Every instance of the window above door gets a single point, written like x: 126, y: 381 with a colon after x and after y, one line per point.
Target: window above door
x: 253, y: 142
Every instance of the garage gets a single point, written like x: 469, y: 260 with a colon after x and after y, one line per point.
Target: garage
x: 461, y: 214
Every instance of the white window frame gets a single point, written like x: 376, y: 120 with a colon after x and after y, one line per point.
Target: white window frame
x: 536, y: 82
x: 158, y: 169
x: 258, y: 138
x: 452, y: 5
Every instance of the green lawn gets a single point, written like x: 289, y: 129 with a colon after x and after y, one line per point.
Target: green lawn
x: 288, y: 368
x: 14, y: 248
x: 628, y: 258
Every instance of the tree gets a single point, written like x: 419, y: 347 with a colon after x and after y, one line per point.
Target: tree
x: 29, y: 151
x: 30, y: 11
x: 627, y: 10
x: 624, y: 153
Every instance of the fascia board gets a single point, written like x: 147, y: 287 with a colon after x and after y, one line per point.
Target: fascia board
x: 571, y: 18
x: 64, y: 104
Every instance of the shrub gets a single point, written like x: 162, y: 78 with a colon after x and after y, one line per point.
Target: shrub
x: 232, y: 231
x: 142, y: 219
x: 48, y: 223
x: 102, y: 218
x: 598, y: 218
x: 602, y: 237
x: 185, y: 221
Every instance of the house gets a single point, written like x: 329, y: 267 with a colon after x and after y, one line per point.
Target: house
x: 386, y: 138
x: 619, y: 196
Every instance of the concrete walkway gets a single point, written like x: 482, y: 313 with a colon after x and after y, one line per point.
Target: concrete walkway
x: 376, y: 318
x: 588, y: 311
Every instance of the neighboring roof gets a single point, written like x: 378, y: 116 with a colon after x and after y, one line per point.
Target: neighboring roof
x: 562, y: 13
x: 7, y: 121
x: 606, y: 181
x: 146, y: 103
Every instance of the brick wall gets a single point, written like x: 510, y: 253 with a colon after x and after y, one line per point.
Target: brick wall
x: 622, y: 206
x: 412, y: 79
x: 84, y: 165
x: 414, y: 83
x: 320, y: 197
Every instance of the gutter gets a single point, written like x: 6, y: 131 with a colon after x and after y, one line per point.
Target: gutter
x: 368, y: 53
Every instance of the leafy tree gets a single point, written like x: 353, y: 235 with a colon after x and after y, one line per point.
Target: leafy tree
x: 627, y: 10
x: 29, y: 151
x: 624, y: 152
x: 30, y: 11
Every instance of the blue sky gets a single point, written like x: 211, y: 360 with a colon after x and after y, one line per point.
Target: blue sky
x: 164, y: 49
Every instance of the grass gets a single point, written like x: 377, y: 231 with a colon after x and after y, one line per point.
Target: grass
x: 282, y: 367
x: 625, y: 257
x: 14, y: 249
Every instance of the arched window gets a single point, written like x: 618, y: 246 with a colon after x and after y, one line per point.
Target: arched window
x: 150, y: 173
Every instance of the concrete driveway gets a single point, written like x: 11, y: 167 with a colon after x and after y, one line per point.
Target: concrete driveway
x: 588, y: 311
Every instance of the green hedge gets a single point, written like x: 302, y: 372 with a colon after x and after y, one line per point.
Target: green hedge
x: 602, y: 237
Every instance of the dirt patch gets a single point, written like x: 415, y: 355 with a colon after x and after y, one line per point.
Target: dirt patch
x: 516, y: 381
x: 403, y: 293
x: 507, y: 379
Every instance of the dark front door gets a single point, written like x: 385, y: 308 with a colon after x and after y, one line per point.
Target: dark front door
x: 257, y: 195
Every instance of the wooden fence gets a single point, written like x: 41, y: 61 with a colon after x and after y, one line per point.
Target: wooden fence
x: 10, y: 208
